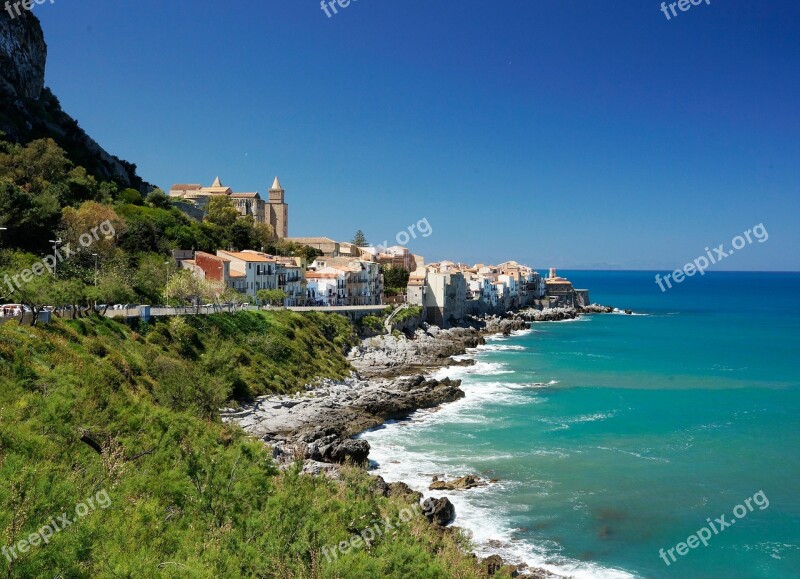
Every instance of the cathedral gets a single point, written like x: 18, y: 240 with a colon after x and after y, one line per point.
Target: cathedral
x: 274, y: 210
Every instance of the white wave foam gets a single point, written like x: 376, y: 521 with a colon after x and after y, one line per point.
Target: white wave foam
x: 620, y: 312
x: 499, y: 348
x: 405, y: 451
x: 480, y: 511
x: 636, y: 454
x: 531, y: 385
x: 479, y: 368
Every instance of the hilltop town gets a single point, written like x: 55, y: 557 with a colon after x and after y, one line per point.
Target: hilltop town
x: 350, y: 274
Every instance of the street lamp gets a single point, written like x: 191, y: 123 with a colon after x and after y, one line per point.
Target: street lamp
x: 95, y: 268
x: 56, y: 242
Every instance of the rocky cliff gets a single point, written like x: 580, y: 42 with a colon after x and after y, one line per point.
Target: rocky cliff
x: 28, y: 110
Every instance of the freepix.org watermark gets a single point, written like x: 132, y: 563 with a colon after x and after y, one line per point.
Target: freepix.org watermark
x: 704, y: 534
x: 330, y: 6
x: 423, y: 227
x: 14, y: 9
x: 683, y: 6
x: 62, y: 253
x: 702, y: 263
x: 55, y: 525
x: 365, y: 538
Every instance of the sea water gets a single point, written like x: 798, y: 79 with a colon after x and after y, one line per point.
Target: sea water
x: 616, y: 436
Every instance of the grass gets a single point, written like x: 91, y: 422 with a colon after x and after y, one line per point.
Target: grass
x: 93, y: 405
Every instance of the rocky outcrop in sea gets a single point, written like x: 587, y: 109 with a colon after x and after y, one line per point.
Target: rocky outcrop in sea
x: 319, y: 424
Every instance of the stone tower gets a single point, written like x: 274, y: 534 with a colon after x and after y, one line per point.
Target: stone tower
x: 278, y: 210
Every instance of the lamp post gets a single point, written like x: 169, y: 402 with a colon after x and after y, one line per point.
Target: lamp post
x: 95, y: 268
x: 56, y: 242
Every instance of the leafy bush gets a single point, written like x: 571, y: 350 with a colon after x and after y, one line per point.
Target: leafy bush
x: 372, y: 323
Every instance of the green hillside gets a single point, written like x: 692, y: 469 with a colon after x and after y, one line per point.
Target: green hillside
x: 93, y: 408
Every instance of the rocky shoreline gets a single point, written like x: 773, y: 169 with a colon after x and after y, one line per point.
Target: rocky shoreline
x: 389, y: 383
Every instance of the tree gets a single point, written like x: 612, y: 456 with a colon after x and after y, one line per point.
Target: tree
x: 113, y: 287
x: 131, y: 197
x: 264, y: 234
x: 36, y: 166
x: 291, y: 249
x: 360, y: 240
x: 81, y: 187
x: 185, y: 288
x: 35, y: 287
x: 30, y: 219
x: 151, y: 277
x: 158, y: 199
x: 231, y: 296
x: 182, y: 287
x: 274, y: 297
x: 221, y: 211
x: 93, y: 222
x: 241, y: 233
x: 395, y: 278
x: 67, y: 292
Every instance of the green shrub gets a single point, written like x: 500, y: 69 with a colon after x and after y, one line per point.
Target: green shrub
x: 372, y: 323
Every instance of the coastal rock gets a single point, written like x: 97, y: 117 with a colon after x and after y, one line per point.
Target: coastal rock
x: 596, y: 309
x: 320, y: 424
x: 314, y: 468
x: 504, y: 326
x: 352, y: 450
x: 548, y: 314
x: 401, y: 489
x: 462, y: 483
x: 440, y: 512
x: 491, y: 565
x: 380, y: 486
x: 429, y: 348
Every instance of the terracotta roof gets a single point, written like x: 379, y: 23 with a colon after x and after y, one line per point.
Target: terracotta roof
x: 251, y: 257
x: 315, y: 275
x: 244, y: 195
x: 237, y: 274
x: 183, y: 187
x: 310, y: 240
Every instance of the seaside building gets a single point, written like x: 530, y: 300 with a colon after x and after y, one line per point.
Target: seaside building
x: 441, y: 289
x: 250, y: 271
x: 395, y: 256
x: 562, y: 293
x: 363, y: 280
x: 326, y: 289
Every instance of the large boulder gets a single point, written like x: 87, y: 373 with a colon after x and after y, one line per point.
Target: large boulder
x: 459, y: 484
x: 440, y: 512
x: 402, y: 490
x: 352, y: 450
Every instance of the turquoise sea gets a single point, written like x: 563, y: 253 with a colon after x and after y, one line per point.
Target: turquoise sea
x: 616, y: 436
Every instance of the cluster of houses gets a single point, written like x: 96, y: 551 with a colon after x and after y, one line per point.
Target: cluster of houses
x: 449, y: 292
x: 352, y: 278
x: 349, y: 275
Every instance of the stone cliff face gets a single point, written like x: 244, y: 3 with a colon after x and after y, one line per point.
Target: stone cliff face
x: 23, y: 54
x: 30, y: 111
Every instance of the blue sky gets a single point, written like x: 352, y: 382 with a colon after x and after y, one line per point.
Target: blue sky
x: 575, y: 134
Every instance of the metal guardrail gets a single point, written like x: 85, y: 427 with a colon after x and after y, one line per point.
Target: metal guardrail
x: 203, y: 310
